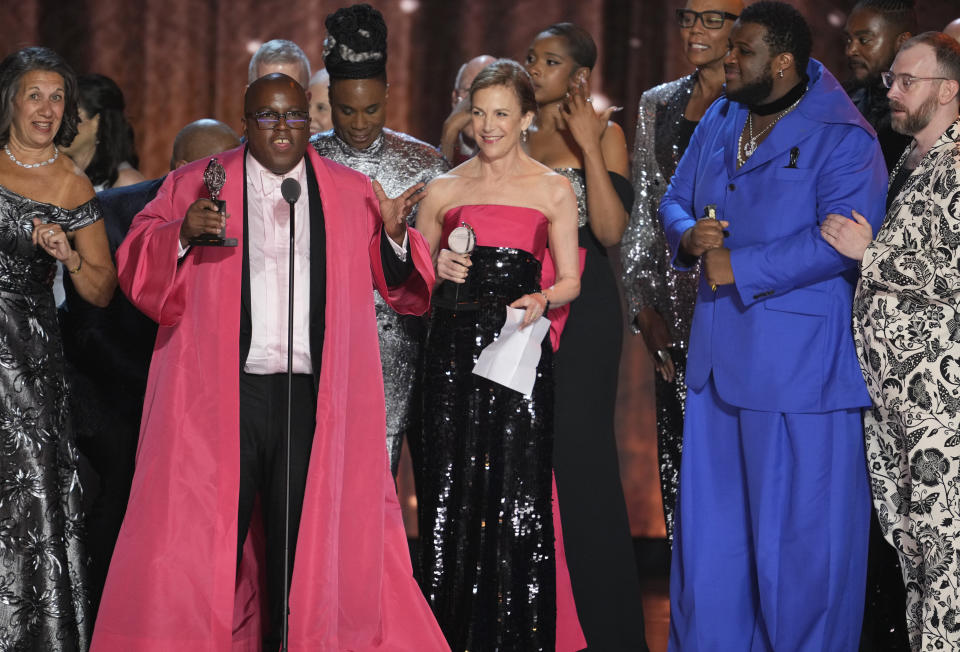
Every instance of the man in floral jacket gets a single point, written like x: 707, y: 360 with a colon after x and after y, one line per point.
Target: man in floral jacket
x: 907, y: 328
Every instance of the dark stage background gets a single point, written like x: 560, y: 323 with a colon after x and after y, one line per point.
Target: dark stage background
x: 179, y: 60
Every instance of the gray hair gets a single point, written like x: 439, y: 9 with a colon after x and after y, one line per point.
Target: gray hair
x: 279, y: 51
x: 320, y: 77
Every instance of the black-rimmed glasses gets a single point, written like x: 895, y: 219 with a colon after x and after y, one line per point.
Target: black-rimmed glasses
x: 889, y: 78
x: 270, y: 119
x: 709, y: 19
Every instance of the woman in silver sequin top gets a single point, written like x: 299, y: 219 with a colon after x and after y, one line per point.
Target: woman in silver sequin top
x: 660, y: 299
x: 359, y: 140
x: 591, y: 152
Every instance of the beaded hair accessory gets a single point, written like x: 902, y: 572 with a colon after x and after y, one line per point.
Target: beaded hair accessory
x: 356, y: 43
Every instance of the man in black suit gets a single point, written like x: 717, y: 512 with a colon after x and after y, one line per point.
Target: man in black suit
x: 108, y: 351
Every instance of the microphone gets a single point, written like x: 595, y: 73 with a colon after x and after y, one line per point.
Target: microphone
x: 290, y: 189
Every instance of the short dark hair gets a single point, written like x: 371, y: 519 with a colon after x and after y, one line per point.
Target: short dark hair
x: 901, y: 14
x: 509, y: 73
x: 946, y: 49
x: 786, y: 30
x: 100, y: 96
x: 580, y: 44
x: 19, y: 63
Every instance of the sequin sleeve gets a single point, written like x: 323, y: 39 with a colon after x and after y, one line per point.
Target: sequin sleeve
x: 83, y: 215
x: 641, y: 249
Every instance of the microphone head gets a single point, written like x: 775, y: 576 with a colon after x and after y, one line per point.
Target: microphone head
x: 290, y: 189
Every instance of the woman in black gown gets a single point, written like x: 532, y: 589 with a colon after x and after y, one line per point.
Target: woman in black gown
x: 47, y: 214
x: 484, y: 479
x: 591, y: 152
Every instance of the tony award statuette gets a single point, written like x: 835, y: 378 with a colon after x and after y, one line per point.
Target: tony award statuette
x: 462, y: 240
x: 710, y: 213
x: 213, y: 178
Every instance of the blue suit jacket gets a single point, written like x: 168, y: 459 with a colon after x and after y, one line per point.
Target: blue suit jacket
x: 779, y: 339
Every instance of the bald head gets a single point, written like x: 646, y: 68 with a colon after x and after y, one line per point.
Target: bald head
x: 953, y: 30
x: 200, y: 139
x: 280, y: 145
x: 467, y: 74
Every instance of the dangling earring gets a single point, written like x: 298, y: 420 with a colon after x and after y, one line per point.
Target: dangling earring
x: 780, y: 74
x: 523, y: 134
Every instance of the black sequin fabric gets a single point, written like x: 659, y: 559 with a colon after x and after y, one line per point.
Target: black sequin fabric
x: 43, y: 595
x: 486, y: 529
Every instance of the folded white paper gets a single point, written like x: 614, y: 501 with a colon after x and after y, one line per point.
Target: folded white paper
x: 511, y: 360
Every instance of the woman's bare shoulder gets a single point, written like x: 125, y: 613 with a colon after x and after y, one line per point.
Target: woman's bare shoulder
x: 76, y: 188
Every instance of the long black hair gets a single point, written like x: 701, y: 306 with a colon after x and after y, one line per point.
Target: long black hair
x: 100, y: 95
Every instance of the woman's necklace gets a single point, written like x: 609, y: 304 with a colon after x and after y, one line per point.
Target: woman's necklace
x: 56, y: 153
x: 746, y: 149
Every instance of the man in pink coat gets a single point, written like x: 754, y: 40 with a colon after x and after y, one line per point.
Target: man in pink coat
x: 212, y: 432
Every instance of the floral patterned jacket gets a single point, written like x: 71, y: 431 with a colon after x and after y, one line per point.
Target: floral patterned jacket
x: 907, y: 306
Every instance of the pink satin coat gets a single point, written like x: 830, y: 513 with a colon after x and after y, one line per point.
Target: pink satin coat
x: 172, y: 580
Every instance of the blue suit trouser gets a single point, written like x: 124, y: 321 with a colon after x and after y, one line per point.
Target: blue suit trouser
x: 770, y: 547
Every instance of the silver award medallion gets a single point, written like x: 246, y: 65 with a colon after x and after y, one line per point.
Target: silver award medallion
x: 214, y: 177
x: 462, y: 240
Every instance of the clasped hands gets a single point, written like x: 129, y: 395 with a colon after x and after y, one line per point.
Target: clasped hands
x: 705, y: 240
x: 51, y: 237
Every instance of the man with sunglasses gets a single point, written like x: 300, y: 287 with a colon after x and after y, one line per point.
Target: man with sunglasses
x: 212, y: 437
x: 906, y: 321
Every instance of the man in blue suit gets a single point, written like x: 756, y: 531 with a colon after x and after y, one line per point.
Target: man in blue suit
x: 774, y: 505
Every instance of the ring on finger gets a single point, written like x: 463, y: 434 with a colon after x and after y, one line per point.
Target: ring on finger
x: 590, y: 99
x: 49, y: 231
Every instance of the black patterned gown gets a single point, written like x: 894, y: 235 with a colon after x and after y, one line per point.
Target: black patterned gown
x: 43, y: 602
x: 484, y: 480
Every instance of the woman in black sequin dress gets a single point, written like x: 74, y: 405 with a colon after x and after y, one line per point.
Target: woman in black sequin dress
x: 47, y: 214
x: 571, y: 137
x: 484, y: 484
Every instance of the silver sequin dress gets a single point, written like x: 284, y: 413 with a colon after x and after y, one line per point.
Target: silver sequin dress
x: 397, y: 161
x: 648, y: 277
x: 43, y: 589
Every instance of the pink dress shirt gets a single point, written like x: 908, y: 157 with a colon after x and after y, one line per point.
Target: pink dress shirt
x: 268, y: 235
